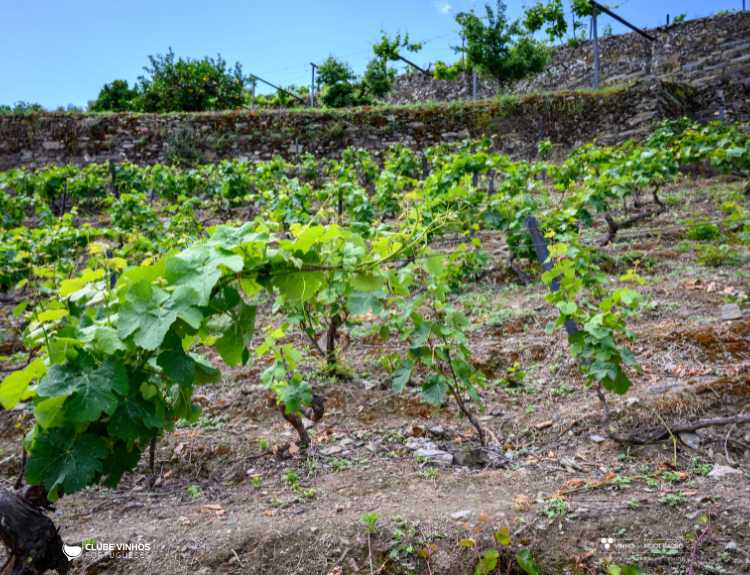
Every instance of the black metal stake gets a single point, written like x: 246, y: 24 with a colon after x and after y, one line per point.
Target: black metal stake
x: 542, y: 254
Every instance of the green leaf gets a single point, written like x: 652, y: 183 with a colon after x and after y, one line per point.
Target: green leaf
x: 487, y: 562
x: 104, y: 339
x: 135, y: 418
x: 70, y: 286
x: 401, y: 377
x: 51, y: 315
x: 435, y: 389
x: 122, y: 458
x: 620, y: 384
x: 435, y: 265
x: 359, y: 303
x: 232, y: 346
x: 502, y: 536
x: 91, y: 389
x: 60, y: 458
x: 149, y: 312
x: 298, y: 287
x: 526, y: 562
x: 306, y: 237
x: 15, y: 386
x: 199, y: 268
x: 178, y: 366
x: 294, y: 395
x: 367, y: 282
x: 205, y: 373
x: 567, y: 307
x: 49, y: 412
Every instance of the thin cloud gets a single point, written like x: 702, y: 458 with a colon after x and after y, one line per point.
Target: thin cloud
x: 444, y: 7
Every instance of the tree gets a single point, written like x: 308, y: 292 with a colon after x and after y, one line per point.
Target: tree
x: 550, y: 16
x: 390, y: 49
x: 499, y: 48
x: 338, y: 80
x: 184, y: 85
x: 116, y: 96
x: 378, y: 78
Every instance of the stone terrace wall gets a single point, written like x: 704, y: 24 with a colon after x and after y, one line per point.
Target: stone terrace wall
x: 515, y: 126
x: 709, y: 53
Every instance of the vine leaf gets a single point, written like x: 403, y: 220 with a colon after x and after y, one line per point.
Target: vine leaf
x: 90, y: 389
x: 401, y: 377
x: 367, y: 282
x: 199, y: 268
x: 15, y: 387
x: 526, y: 562
x: 435, y: 389
x: 62, y: 459
x: 177, y: 365
x: 298, y: 287
x: 149, y: 312
x: 232, y: 346
x: 135, y: 418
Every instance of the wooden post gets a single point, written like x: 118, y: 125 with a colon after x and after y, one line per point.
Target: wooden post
x: 595, y: 31
x: 474, y: 84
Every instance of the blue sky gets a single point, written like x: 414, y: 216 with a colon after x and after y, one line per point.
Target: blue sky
x: 60, y: 52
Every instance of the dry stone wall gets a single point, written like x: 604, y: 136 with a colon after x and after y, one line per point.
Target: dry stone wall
x: 712, y: 54
x: 515, y: 126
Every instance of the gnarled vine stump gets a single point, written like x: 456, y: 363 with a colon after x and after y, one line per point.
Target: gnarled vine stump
x: 33, y: 542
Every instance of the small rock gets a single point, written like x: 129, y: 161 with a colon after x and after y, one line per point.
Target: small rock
x: 731, y: 546
x: 415, y: 443
x: 692, y: 440
x: 439, y: 432
x: 720, y: 471
x: 631, y: 401
x: 731, y: 311
x: 458, y: 515
x: 597, y: 438
x: 437, y: 456
x: 332, y: 450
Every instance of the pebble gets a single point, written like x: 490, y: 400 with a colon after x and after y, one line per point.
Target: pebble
x: 598, y: 438
x: 332, y: 450
x: 731, y: 546
x: 720, y: 471
x: 692, y: 440
x: 463, y: 514
x: 435, y: 456
x: 731, y: 311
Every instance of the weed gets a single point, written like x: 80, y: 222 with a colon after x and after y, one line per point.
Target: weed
x: 194, y: 491
x: 555, y: 507
x: 673, y: 499
x: 723, y: 255
x: 704, y: 232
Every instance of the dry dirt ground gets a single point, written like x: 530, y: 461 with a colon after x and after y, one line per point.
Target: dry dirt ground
x: 224, y: 502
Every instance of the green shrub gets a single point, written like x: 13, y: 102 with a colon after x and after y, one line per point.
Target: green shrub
x: 184, y: 85
x: 723, y: 255
x: 117, y: 96
x: 704, y: 232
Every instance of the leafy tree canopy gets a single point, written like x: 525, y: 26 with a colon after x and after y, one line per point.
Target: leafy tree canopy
x: 117, y: 96
x: 499, y: 48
